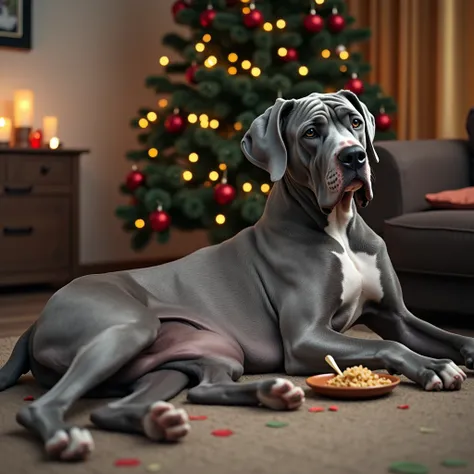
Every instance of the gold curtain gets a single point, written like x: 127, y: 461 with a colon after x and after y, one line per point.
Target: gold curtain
x: 422, y: 54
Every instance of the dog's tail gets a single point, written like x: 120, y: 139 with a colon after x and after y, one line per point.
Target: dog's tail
x: 18, y: 363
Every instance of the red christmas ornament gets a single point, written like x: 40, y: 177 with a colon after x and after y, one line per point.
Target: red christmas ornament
x: 313, y: 23
x: 224, y: 193
x: 190, y: 72
x: 207, y: 17
x: 175, y: 123
x: 291, y: 55
x: 135, y: 179
x: 383, y: 122
x: 355, y: 85
x: 36, y: 139
x: 160, y: 220
x: 254, y: 19
x: 336, y: 22
x: 177, y: 7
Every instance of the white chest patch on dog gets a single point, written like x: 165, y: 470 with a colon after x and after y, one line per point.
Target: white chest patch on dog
x: 361, y: 280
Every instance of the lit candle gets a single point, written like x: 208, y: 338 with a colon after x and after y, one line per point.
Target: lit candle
x: 23, y: 108
x: 54, y: 143
x: 5, y: 130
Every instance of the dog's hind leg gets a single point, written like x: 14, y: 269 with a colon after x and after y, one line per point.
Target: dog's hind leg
x: 95, y: 362
x: 218, y: 385
x: 145, y: 411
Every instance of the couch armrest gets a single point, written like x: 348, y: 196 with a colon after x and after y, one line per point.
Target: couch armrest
x: 410, y: 169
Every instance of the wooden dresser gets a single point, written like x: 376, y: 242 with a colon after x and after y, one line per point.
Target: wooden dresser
x: 39, y: 231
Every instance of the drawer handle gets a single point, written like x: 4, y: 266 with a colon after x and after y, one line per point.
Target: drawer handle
x: 44, y: 170
x: 13, y: 231
x: 20, y: 190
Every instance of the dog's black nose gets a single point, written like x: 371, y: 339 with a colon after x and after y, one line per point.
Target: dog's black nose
x: 353, y: 157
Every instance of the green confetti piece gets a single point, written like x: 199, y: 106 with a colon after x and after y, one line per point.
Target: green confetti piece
x: 403, y: 467
x: 155, y: 467
x: 454, y: 463
x: 276, y: 424
x: 424, y: 429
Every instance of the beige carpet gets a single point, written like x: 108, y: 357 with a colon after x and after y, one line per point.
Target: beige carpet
x: 362, y: 437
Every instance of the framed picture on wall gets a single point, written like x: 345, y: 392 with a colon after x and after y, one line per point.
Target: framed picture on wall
x: 15, y: 24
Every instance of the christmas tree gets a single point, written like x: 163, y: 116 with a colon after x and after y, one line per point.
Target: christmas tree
x: 240, y: 55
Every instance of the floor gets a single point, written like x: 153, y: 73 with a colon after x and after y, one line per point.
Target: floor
x: 20, y: 307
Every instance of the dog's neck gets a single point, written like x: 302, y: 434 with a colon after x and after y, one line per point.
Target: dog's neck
x: 292, y: 208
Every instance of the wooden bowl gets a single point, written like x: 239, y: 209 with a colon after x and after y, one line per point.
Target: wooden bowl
x: 319, y: 385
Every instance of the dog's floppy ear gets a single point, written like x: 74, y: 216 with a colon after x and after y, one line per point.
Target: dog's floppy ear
x: 263, y: 143
x: 369, y: 122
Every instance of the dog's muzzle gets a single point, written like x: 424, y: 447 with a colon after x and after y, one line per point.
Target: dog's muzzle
x: 354, y: 166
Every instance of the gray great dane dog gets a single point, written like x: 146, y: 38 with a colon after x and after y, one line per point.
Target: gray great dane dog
x: 277, y: 297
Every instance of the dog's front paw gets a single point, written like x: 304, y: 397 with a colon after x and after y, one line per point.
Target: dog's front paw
x: 280, y: 394
x: 442, y: 374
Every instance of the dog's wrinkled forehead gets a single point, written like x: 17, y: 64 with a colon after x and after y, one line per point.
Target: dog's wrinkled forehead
x: 330, y: 105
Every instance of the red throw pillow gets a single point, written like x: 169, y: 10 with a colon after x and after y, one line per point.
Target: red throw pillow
x: 452, y: 199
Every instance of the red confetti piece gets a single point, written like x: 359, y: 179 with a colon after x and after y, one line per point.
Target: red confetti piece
x: 333, y: 408
x: 127, y: 462
x: 222, y: 433
x: 316, y: 409
x: 403, y: 407
x: 197, y: 417
x: 29, y: 398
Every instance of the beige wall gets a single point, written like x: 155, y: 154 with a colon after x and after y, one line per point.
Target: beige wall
x: 88, y: 65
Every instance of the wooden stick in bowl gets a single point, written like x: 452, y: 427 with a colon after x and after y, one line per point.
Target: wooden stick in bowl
x: 330, y: 360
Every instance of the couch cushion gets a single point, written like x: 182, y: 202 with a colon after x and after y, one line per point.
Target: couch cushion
x: 436, y: 241
x: 470, y: 138
x: 452, y: 199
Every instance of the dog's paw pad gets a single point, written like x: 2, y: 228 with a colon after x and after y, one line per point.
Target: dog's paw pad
x: 164, y: 422
x: 73, y: 445
x: 281, y: 395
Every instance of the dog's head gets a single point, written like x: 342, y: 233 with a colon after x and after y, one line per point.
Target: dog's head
x: 323, y: 141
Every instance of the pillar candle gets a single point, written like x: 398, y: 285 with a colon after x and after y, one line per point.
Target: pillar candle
x: 23, y: 108
x: 5, y: 130
x: 50, y: 128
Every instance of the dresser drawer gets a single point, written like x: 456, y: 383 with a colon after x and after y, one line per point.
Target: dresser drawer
x: 2, y: 170
x: 34, y: 233
x: 33, y: 170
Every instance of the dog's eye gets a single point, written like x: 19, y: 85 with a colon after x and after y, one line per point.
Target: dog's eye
x: 310, y: 133
x: 356, y: 123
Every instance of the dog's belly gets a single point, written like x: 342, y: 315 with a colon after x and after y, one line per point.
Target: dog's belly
x: 178, y: 341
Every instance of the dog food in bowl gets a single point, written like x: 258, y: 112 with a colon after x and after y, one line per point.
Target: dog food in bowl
x: 358, y: 377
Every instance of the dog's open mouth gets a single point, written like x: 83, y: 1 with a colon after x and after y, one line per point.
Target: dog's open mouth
x: 358, y: 189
